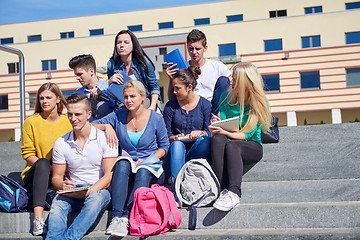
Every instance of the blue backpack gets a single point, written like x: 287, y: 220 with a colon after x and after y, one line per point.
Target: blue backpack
x: 13, y: 197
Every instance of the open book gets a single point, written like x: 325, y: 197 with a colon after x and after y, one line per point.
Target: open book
x: 75, y: 189
x: 230, y: 124
x: 151, y: 163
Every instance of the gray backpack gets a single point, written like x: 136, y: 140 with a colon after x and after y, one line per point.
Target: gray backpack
x: 197, y: 184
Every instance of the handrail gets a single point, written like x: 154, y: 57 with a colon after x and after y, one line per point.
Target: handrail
x: 22, y: 80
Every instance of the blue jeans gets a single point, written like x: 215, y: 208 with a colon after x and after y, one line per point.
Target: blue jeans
x: 121, y: 182
x: 178, y: 155
x: 89, y: 208
x: 222, y: 85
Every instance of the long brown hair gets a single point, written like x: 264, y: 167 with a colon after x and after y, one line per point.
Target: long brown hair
x: 53, y: 87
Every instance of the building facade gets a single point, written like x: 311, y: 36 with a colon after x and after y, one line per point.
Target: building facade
x: 307, y: 51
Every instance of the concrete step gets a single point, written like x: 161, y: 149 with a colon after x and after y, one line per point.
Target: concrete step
x: 344, y: 214
x: 241, y: 234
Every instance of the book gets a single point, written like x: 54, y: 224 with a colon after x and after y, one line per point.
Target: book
x: 175, y: 57
x: 230, y: 124
x: 75, y: 189
x: 116, y: 90
x: 186, y: 139
x: 151, y: 163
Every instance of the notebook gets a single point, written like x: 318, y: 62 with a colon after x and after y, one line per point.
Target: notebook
x: 117, y: 89
x: 230, y: 124
x: 175, y: 57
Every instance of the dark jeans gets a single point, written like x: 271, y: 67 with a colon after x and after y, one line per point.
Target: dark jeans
x: 121, y: 182
x: 228, y: 158
x: 222, y: 85
x: 38, y: 180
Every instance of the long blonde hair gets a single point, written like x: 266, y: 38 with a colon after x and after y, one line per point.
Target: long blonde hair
x: 248, y: 87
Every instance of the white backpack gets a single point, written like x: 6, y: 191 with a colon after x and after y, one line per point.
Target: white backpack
x: 197, y: 183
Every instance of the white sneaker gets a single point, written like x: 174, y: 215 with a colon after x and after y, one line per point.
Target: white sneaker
x: 39, y: 226
x: 118, y: 227
x: 227, y: 201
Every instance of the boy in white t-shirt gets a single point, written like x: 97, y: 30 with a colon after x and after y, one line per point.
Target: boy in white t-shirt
x: 81, y: 157
x: 214, y: 77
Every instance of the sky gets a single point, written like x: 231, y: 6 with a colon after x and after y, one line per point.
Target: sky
x: 16, y: 11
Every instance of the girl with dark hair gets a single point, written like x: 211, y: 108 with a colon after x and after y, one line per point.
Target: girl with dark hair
x: 40, y: 132
x: 187, y: 118
x: 128, y: 56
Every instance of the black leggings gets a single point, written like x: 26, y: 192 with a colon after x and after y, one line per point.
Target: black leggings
x: 228, y: 158
x: 38, y: 180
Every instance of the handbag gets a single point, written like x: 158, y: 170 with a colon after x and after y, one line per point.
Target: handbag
x: 273, y: 135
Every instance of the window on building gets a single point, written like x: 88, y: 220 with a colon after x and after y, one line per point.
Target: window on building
x: 310, y: 80
x: 271, y: 82
x: 227, y: 49
x: 13, y: 67
x: 4, y: 104
x: 95, y: 32
x: 34, y: 38
x: 310, y: 41
x: 163, y: 51
x: 352, y: 37
x: 201, y: 21
x: 353, y: 77
x: 135, y: 28
x: 311, y: 10
x: 234, y: 18
x: 278, y: 13
x: 165, y: 25
x: 7, y: 40
x: 67, y: 93
x: 352, y: 5
x: 273, y: 45
x: 67, y: 35
x: 48, y: 65
x: 32, y: 100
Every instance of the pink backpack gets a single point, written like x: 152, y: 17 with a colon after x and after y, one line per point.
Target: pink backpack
x: 151, y: 211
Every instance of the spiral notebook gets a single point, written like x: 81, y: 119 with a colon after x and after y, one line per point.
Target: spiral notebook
x: 230, y: 124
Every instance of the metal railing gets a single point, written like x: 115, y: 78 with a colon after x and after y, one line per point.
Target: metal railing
x: 22, y: 80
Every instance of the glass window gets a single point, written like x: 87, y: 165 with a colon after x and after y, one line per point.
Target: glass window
x: 163, y: 51
x: 352, y: 37
x: 273, y: 45
x: 353, y: 77
x: 227, y: 49
x: 310, y: 80
x: 201, y: 21
x: 48, y: 65
x: 234, y: 18
x: 166, y: 25
x: 271, y: 82
x: 34, y: 38
x: 135, y: 28
x: 32, y: 100
x: 67, y: 93
x: 310, y: 10
x: 310, y: 41
x: 67, y: 35
x: 4, y: 102
x: 352, y: 5
x: 13, y: 67
x: 95, y: 32
x: 278, y: 13
x: 7, y: 40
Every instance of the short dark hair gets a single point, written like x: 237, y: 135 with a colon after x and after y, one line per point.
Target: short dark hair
x: 196, y: 35
x: 85, y: 61
x: 79, y: 97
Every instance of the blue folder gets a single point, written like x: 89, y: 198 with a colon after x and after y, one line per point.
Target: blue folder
x: 117, y: 89
x: 175, y: 57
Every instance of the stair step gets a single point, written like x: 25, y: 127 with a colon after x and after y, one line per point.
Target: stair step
x: 345, y: 214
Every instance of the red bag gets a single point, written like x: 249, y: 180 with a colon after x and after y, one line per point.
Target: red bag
x: 151, y: 211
